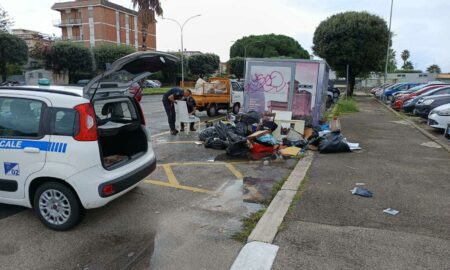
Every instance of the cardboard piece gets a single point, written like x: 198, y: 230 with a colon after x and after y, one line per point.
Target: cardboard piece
x: 290, y: 151
x: 285, y: 126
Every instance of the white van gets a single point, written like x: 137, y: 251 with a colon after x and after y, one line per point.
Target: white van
x: 63, y: 150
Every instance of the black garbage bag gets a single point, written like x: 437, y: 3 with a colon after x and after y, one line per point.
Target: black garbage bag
x: 298, y: 143
x: 333, y: 142
x: 222, y: 130
x: 270, y: 125
x: 209, y: 132
x: 216, y: 143
x: 251, y: 117
x: 241, y: 129
x: 237, y: 145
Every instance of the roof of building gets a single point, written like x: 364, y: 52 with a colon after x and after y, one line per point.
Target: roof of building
x: 85, y: 3
x: 443, y: 76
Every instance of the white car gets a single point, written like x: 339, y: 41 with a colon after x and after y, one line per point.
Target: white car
x: 439, y: 117
x: 63, y: 150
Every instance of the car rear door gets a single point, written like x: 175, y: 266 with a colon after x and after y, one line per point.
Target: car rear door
x: 23, y: 142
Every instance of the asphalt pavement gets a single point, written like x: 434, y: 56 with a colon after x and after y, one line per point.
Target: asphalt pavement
x: 330, y: 228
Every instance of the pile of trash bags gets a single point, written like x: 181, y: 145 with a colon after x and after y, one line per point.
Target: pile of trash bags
x: 237, y: 137
x: 227, y: 136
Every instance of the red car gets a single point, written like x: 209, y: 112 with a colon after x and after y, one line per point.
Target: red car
x: 400, y: 99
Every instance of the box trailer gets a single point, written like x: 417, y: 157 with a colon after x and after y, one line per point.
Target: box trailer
x: 296, y: 85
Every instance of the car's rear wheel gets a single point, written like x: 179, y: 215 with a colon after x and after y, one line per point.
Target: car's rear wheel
x: 57, y: 206
x: 236, y: 108
x: 212, y: 110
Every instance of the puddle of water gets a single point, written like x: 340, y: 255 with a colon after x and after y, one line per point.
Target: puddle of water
x: 230, y: 200
x: 431, y: 144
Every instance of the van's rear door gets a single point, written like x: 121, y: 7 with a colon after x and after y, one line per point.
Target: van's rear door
x: 126, y: 71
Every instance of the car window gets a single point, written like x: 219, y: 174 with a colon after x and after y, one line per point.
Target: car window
x: 443, y: 91
x: 118, y: 110
x: 63, y: 122
x: 20, y: 117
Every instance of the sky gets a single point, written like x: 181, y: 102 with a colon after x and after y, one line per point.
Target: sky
x: 418, y: 25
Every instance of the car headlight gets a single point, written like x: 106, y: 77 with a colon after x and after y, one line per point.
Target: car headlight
x: 444, y: 112
x: 428, y: 101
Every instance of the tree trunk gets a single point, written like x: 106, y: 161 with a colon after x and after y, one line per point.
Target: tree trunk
x: 3, y: 71
x: 351, y: 86
x: 144, y: 36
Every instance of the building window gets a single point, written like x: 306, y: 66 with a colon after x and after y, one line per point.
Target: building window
x: 40, y: 75
x: 31, y: 75
x: 91, y: 12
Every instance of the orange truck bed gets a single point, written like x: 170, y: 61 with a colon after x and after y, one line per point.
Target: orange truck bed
x: 213, y: 96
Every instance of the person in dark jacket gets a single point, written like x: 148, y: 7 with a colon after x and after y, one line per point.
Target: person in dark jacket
x: 169, y: 99
x: 192, y: 107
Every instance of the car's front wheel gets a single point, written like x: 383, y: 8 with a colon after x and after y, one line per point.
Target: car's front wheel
x: 57, y: 206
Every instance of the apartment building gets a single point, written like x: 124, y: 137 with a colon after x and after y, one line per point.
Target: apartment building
x: 32, y: 37
x: 100, y: 21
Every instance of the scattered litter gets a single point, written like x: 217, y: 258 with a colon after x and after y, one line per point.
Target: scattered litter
x: 157, y: 212
x: 391, y: 211
x: 198, y: 143
x: 131, y: 254
x: 362, y: 192
x: 360, y: 184
x: 210, y: 160
x: 431, y: 144
x: 350, y: 167
x: 354, y: 146
x: 266, y: 162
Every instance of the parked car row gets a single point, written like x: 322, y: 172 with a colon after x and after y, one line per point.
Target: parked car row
x: 430, y: 101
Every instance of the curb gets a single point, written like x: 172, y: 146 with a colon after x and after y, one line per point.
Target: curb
x: 267, y: 227
x: 423, y: 131
x: 259, y: 253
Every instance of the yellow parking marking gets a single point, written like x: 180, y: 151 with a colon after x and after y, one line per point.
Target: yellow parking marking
x: 193, y: 189
x: 173, y: 182
x: 172, y: 179
x: 234, y: 171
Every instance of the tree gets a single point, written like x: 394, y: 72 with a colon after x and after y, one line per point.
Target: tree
x: 5, y: 20
x: 266, y: 46
x: 236, y: 66
x: 434, y: 69
x: 203, y: 64
x: 70, y: 57
x: 108, y: 53
x: 356, y: 39
x: 146, y: 15
x: 13, y: 50
x: 405, y: 56
x: 408, y: 65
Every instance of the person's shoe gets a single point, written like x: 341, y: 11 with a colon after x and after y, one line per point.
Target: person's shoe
x: 174, y: 132
x: 182, y: 129
x: 192, y: 129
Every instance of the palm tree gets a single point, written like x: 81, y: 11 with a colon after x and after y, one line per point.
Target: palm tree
x: 146, y: 15
x: 405, y: 56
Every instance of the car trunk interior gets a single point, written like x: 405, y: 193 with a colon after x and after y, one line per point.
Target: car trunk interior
x: 121, y: 135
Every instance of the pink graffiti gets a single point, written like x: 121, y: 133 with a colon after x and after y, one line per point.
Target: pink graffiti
x: 273, y: 82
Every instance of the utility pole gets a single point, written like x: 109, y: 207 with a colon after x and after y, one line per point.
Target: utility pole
x: 389, y: 44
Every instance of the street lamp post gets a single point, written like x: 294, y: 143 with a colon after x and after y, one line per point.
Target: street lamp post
x: 182, y: 48
x: 389, y: 44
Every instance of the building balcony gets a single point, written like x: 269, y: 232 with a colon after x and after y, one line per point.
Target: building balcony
x: 73, y: 38
x: 66, y: 22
